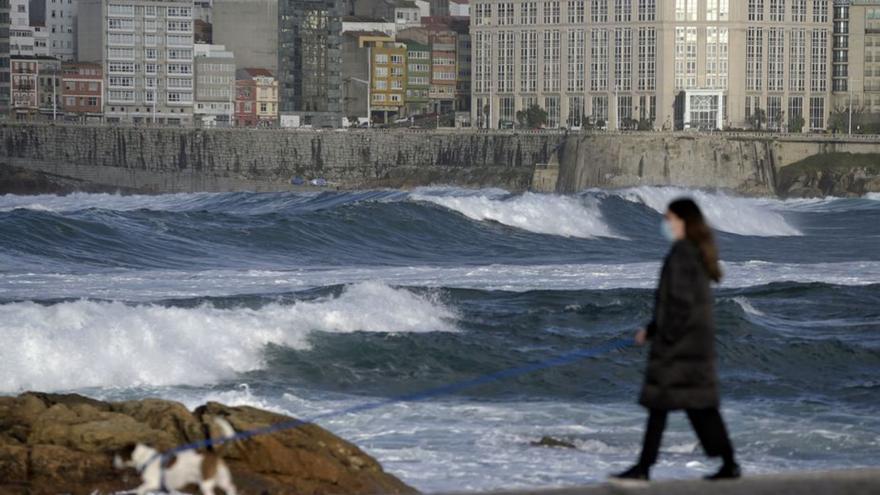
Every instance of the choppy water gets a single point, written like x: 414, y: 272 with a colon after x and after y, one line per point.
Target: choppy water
x: 305, y: 303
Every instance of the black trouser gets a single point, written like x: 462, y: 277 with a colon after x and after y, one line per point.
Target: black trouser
x: 708, y: 425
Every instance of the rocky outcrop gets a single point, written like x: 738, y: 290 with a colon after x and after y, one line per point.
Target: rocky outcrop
x: 831, y: 174
x: 15, y: 180
x: 64, y: 444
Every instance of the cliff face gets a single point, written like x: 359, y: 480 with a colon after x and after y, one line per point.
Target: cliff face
x: 53, y: 444
x: 831, y: 174
x: 183, y: 160
x: 611, y: 161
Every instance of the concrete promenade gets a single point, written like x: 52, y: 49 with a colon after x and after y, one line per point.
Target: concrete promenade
x: 853, y: 482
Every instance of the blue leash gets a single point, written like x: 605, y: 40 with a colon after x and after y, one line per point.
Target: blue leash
x: 561, y: 360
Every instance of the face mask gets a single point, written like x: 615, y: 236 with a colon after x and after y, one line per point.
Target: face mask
x: 666, y: 230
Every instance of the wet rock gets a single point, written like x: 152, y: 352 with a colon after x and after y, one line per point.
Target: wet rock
x: 65, y: 443
x: 555, y: 443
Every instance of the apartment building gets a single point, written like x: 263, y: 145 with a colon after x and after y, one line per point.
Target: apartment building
x: 146, y: 50
x: 857, y: 56
x: 24, y: 101
x: 357, y: 61
x: 58, y: 19
x: 82, y: 92
x: 659, y: 63
x: 215, y: 85
x: 418, y: 77
x: 388, y: 79
x: 256, y: 98
x: 5, y: 76
x: 21, y: 34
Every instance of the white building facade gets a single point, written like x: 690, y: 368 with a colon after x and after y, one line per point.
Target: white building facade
x: 61, y: 21
x: 146, y: 50
x: 652, y: 63
x: 215, y: 86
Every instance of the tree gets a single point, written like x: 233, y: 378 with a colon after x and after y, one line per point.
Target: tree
x: 779, y: 120
x: 486, y: 110
x: 796, y: 123
x: 759, y: 117
x: 533, y: 117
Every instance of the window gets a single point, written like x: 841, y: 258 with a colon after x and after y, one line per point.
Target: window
x: 817, y: 112
x: 151, y: 53
x: 774, y: 112
x: 483, y: 14
x: 622, y: 10
x: 798, y: 10
x: 575, y: 11
x: 819, y: 61
x: 506, y: 52
x: 795, y: 108
x: 820, y: 11
x: 797, y: 60
x: 647, y: 10
x: 777, y: 10
x: 120, y: 24
x: 600, y: 109
x: 599, y: 60
x: 551, y: 12
x: 115, y: 10
x: 599, y: 12
x: 505, y: 13
x: 552, y: 71
x: 529, y: 61
x: 576, y: 67
x: 776, y: 59
x: 754, y: 59
x: 756, y: 10
x: 551, y: 104
x: 528, y: 13
x: 623, y: 59
x: 647, y: 59
x: 685, y: 10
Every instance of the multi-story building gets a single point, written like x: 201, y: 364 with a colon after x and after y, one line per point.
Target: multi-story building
x: 658, y: 63
x: 25, y: 102
x: 388, y: 80
x: 49, y: 89
x: 59, y: 18
x: 82, y: 92
x: 249, y: 29
x: 256, y: 98
x: 418, y: 77
x: 357, y: 56
x: 444, y: 71
x: 5, y: 76
x: 215, y: 85
x: 856, y: 69
x: 146, y: 50
x: 21, y: 34
x: 310, y: 60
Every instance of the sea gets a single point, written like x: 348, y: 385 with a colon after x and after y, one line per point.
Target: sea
x: 310, y: 303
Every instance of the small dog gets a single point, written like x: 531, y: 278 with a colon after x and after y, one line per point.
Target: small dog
x: 206, y: 470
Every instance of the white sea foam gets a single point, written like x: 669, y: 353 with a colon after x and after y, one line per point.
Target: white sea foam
x: 144, y: 285
x: 742, y: 216
x: 97, y: 344
x: 567, y: 216
x: 873, y: 196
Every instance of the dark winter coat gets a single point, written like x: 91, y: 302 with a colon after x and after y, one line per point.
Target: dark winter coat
x: 681, y: 364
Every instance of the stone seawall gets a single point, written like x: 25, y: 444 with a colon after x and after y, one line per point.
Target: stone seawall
x: 183, y: 160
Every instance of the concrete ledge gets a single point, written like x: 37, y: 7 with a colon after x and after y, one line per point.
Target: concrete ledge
x: 853, y: 482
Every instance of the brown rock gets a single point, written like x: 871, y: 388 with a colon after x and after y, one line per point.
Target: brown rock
x: 65, y: 444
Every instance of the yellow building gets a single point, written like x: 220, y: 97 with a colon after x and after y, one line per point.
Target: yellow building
x: 388, y: 78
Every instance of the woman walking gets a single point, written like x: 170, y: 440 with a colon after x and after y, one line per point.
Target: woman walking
x: 681, y: 366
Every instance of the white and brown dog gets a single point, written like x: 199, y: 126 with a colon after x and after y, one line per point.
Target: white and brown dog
x: 206, y: 470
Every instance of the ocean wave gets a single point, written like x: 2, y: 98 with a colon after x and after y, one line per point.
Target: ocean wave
x: 735, y: 215
x: 150, y: 285
x: 566, y: 216
x: 99, y: 344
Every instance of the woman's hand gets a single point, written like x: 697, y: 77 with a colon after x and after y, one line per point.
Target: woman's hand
x: 641, y: 336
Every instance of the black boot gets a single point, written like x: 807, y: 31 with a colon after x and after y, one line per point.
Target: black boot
x: 728, y: 471
x: 635, y: 474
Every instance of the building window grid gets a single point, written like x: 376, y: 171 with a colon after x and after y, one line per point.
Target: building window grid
x: 622, y: 10
x: 505, y: 14
x: 797, y: 60
x: 647, y: 59
x: 529, y: 62
x: 820, y: 11
x: 599, y: 11
x: 576, y: 68
x: 599, y: 60
x: 817, y: 113
x: 776, y: 59
x: 777, y: 10
x: 551, y: 12
x: 506, y: 51
x: 685, y: 10
x: 647, y: 10
x: 798, y: 10
x: 717, y: 49
x: 754, y: 59
x: 819, y: 61
x: 576, y: 11
x: 623, y: 59
x: 756, y: 10
x: 528, y: 13
x: 552, y: 72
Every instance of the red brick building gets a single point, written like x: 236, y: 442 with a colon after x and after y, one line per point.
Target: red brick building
x: 256, y: 98
x: 82, y: 86
x: 24, y: 73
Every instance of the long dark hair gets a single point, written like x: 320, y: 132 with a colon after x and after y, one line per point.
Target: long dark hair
x: 698, y: 232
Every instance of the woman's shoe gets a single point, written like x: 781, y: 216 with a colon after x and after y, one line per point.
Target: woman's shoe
x: 727, y: 472
x: 634, y: 475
